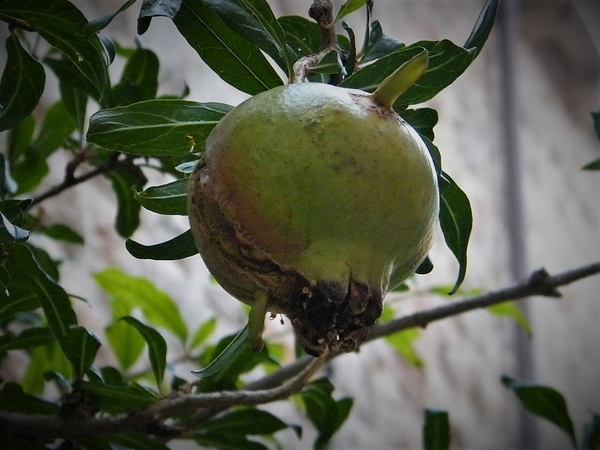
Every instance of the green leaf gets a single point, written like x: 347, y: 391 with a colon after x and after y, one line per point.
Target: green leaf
x: 402, y: 342
x: 136, y: 441
x: 227, y: 442
x: 139, y: 80
x: 157, y: 347
x: 380, y: 44
x: 302, y: 35
x: 62, y: 232
x: 102, y: 22
x: 125, y: 183
x: 243, y: 422
x: 55, y: 302
x: 19, y: 138
x: 57, y: 126
x: 13, y: 398
x: 422, y: 120
x: 482, y: 27
x: 44, y: 359
x: 236, y: 60
x: 28, y: 338
x: 456, y: 220
x: 179, y: 247
x: 326, y: 414
x: 123, y: 398
x: 203, y: 332
x: 511, y: 310
x: 160, y: 127
x: 153, y: 8
x: 136, y: 292
x: 436, y: 430
x: 80, y: 347
x: 126, y: 343
x: 21, y: 85
x: 75, y: 103
x: 594, y: 165
x: 596, y: 119
x: 446, y: 63
x: 170, y: 198
x: 591, y: 434
x: 544, y: 402
x: 349, y: 7
x: 10, y: 233
x: 255, y: 21
x: 61, y: 24
x: 233, y: 349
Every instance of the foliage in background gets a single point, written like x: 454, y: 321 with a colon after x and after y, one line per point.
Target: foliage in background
x: 133, y: 131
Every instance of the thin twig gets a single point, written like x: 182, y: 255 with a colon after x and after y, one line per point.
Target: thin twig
x: 276, y: 386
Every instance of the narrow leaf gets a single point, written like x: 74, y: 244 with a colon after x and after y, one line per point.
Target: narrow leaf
x: 226, y: 356
x: 179, y: 247
x: 126, y: 343
x: 157, y: 347
x: 349, y: 7
x: 56, y: 127
x: 137, y: 292
x: 139, y: 80
x: 236, y: 60
x: 456, y: 220
x: 591, y: 434
x: 543, y: 401
x: 421, y: 119
x: 255, y: 21
x: 170, y: 198
x: 10, y: 233
x: 482, y: 27
x: 21, y: 85
x: 594, y: 165
x: 596, y: 119
x: 62, y: 232
x: 436, y: 430
x: 80, y: 347
x: 102, y: 22
x: 124, y: 184
x: 120, y: 398
x: 203, y: 332
x: 156, y: 127
x: 154, y: 8
x: 511, y: 310
x: 75, y: 102
x: 61, y: 24
x: 245, y: 421
x: 29, y: 338
x: 380, y: 44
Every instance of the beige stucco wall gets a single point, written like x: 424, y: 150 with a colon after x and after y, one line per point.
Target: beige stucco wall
x: 558, y: 83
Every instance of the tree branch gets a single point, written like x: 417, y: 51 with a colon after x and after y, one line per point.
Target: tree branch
x: 277, y: 385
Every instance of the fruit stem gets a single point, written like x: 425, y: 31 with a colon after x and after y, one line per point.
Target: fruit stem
x: 256, y: 320
x: 400, y: 80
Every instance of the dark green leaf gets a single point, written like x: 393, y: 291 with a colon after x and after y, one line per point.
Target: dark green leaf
x: 456, y: 220
x: 62, y: 232
x: 203, y: 332
x: 591, y: 434
x: 348, y: 7
x: 31, y: 337
x: 125, y: 183
x: 61, y: 24
x: 13, y: 398
x: 153, y: 8
x: 227, y: 442
x: 596, y: 119
x: 21, y: 85
x: 511, y: 310
x: 482, y: 27
x: 236, y: 60
x: 446, y: 63
x: 120, y: 398
x: 350, y: 63
x: 75, y: 103
x: 233, y: 350
x: 19, y: 138
x: 594, y: 165
x: 80, y: 347
x: 137, y: 441
x: 7, y: 183
x: 19, y: 300
x: 157, y: 347
x: 179, y: 247
x: 543, y: 401
x: 139, y: 80
x: 170, y: 199
x: 324, y: 412
x: 421, y: 119
x: 136, y: 292
x: 45, y: 262
x: 255, y: 21
x: 380, y: 44
x: 10, y: 233
x: 67, y: 73
x: 55, y: 302
x: 45, y: 359
x: 436, y: 430
x: 302, y: 35
x: 245, y: 421
x: 99, y: 24
x: 126, y: 343
x: 57, y: 126
x: 156, y: 127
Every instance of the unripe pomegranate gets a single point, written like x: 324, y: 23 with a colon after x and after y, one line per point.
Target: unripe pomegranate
x: 313, y: 201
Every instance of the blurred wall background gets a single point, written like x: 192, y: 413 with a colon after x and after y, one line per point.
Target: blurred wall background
x: 514, y: 132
